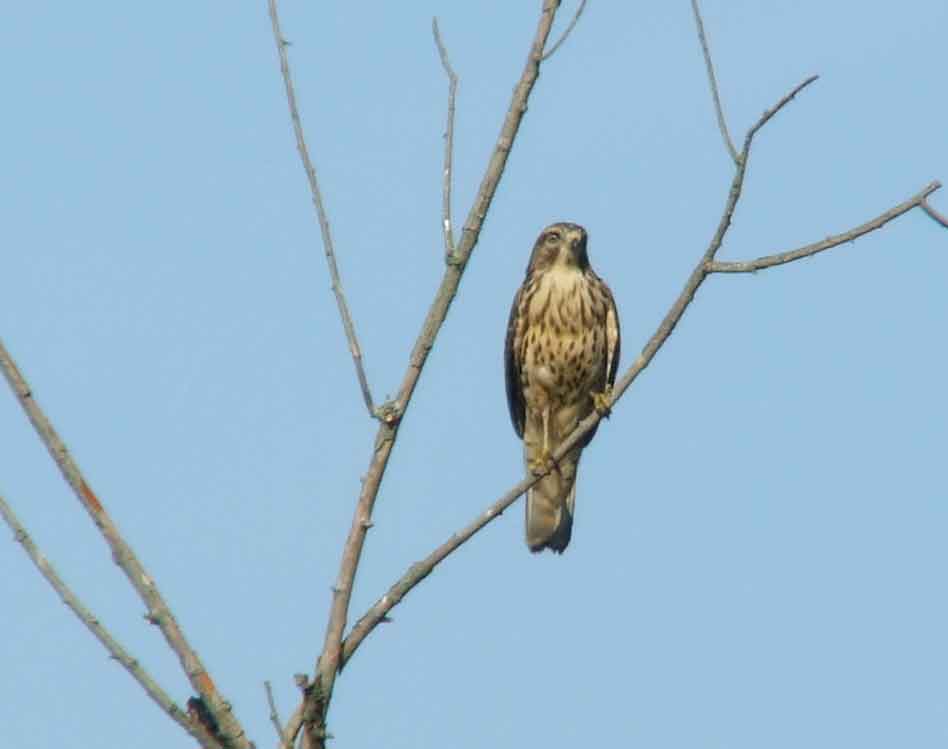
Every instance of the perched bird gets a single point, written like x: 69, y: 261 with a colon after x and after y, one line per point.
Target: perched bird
x: 560, y: 357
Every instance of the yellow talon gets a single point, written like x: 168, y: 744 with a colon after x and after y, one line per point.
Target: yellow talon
x: 602, y: 402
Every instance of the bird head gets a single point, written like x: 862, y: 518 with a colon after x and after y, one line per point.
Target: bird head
x: 560, y: 245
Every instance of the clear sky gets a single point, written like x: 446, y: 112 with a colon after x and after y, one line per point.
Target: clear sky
x: 759, y: 553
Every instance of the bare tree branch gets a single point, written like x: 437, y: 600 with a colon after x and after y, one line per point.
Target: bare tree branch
x: 275, y: 717
x: 328, y: 663
x: 567, y: 32
x: 124, y: 557
x: 935, y: 215
x: 420, y: 570
x: 707, y: 265
x: 446, y: 226
x: 92, y: 623
x: 337, y: 289
x: 768, y: 261
x: 768, y: 114
x: 436, y: 316
x: 718, y: 109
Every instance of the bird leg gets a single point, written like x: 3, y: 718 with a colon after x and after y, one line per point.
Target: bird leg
x: 541, y: 462
x: 602, y: 402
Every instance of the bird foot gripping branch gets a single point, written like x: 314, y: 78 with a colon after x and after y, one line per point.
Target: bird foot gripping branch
x: 542, y: 462
x: 602, y: 402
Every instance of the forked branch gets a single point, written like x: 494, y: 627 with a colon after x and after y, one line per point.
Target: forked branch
x: 420, y: 570
x: 352, y: 552
x: 705, y: 267
x: 92, y: 623
x: 569, y: 29
x: 329, y: 661
x: 780, y: 258
x: 158, y: 611
x: 934, y: 215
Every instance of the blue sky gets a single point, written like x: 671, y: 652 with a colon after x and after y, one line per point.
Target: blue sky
x: 759, y: 551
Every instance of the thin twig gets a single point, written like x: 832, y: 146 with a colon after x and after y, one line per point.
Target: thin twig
x: 765, y: 117
x: 92, y: 623
x: 567, y: 32
x: 124, y: 557
x: 718, y: 109
x: 275, y: 717
x: 420, y: 570
x: 935, y: 215
x: 446, y: 226
x: 327, y: 666
x: 337, y: 289
x: 769, y: 261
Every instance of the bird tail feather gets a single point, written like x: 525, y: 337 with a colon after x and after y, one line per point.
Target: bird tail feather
x: 550, y: 506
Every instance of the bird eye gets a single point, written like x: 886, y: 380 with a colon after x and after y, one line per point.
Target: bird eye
x: 553, y: 236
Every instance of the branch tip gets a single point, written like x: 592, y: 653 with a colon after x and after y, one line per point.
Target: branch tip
x: 447, y: 178
x: 768, y: 114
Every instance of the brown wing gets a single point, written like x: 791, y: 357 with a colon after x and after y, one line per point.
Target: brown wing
x: 512, y: 368
x: 612, y: 342
x: 613, y: 336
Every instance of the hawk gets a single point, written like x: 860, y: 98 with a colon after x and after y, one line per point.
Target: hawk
x: 561, y: 356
